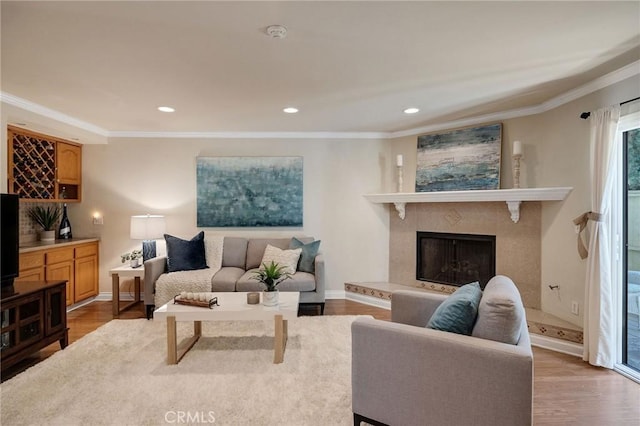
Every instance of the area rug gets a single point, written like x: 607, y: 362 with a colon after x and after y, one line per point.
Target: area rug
x: 118, y: 375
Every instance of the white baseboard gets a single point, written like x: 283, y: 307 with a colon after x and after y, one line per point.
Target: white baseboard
x: 107, y: 296
x: 334, y: 294
x: 368, y: 300
x: 80, y: 304
x: 556, y: 345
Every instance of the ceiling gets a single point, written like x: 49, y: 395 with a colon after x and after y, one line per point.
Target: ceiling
x: 347, y: 66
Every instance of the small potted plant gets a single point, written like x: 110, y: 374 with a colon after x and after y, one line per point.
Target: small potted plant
x: 47, y: 218
x: 133, y: 258
x: 271, y: 275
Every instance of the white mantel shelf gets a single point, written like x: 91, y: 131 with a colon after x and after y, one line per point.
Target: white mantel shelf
x: 513, y: 197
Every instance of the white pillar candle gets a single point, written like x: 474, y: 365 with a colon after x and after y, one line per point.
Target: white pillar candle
x: 517, y: 148
x: 399, y: 160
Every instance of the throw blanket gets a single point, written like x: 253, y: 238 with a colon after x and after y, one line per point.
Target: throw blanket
x: 171, y: 284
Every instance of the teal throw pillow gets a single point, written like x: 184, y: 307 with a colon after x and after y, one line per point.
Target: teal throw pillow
x: 457, y: 314
x: 183, y: 255
x: 308, y: 256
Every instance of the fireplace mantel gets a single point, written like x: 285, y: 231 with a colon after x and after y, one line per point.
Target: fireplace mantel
x: 513, y: 197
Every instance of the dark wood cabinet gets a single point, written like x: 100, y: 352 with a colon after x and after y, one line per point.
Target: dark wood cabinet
x: 33, y: 315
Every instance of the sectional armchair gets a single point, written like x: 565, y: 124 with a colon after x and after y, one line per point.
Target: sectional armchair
x: 406, y: 373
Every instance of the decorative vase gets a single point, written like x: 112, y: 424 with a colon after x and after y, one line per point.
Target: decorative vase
x: 270, y: 298
x: 134, y: 263
x: 48, y: 236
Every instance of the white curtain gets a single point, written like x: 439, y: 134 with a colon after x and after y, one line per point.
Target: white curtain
x: 599, y: 323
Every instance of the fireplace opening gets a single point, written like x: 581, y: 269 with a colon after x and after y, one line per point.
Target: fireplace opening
x: 455, y: 259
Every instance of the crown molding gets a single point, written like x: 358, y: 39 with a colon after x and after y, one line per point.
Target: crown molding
x: 613, y: 77
x: 498, y: 116
x: 599, y: 83
x: 251, y: 135
x: 52, y: 114
x: 606, y: 80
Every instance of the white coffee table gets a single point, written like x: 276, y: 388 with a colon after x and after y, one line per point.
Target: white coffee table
x: 233, y: 307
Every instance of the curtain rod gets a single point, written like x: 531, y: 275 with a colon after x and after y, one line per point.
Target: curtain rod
x: 586, y: 115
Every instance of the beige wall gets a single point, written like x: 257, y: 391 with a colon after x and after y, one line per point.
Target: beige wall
x: 138, y: 176
x: 126, y: 177
x: 556, y: 153
x: 129, y: 177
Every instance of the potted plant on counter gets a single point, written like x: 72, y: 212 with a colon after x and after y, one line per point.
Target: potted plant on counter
x: 271, y: 275
x: 47, y: 218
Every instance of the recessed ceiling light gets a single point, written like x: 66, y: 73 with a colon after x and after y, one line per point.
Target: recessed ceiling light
x: 166, y: 109
x: 411, y: 110
x: 290, y: 110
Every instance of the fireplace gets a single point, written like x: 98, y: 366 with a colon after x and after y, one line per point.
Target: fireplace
x: 455, y: 259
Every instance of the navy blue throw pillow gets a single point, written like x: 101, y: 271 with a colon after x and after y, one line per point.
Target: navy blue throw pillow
x: 183, y: 255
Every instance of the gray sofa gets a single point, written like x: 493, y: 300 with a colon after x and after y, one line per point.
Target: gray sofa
x: 241, y: 257
x: 406, y: 374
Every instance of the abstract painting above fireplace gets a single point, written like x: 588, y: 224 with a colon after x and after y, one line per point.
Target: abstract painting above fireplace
x: 455, y: 259
x: 462, y: 159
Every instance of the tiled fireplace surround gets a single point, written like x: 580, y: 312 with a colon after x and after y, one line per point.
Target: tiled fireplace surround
x: 518, y: 245
x: 518, y: 254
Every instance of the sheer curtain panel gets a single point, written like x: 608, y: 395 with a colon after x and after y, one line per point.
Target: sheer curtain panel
x: 599, y: 322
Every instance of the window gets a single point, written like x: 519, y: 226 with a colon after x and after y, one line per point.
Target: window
x: 626, y: 254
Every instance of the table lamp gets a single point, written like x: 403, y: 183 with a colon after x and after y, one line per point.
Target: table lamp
x: 147, y: 228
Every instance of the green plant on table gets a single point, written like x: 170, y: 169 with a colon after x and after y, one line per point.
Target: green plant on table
x: 47, y: 218
x: 271, y: 275
x: 136, y: 254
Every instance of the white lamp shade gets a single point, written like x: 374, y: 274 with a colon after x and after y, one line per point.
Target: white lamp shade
x: 147, y: 227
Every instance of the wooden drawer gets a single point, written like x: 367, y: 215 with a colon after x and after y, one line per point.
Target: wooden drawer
x: 31, y: 260
x: 61, y: 255
x: 86, y: 250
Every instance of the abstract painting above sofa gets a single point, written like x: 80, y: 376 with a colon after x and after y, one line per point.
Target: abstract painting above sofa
x: 249, y: 191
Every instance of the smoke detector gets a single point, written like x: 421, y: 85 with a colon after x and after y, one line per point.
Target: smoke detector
x: 276, y: 31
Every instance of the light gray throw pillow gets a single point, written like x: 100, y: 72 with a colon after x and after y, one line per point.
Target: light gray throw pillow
x: 500, y: 313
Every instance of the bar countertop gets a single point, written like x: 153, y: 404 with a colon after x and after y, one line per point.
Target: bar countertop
x: 39, y: 245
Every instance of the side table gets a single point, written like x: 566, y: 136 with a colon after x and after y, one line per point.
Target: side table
x: 128, y: 272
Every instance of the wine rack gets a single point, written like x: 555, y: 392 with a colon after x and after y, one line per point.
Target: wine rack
x: 43, y: 167
x: 34, y: 167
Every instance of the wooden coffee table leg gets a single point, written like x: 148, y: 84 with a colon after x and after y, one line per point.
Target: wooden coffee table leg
x: 172, y: 341
x: 280, y: 339
x: 175, y: 354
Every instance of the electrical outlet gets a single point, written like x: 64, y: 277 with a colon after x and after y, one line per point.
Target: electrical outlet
x: 98, y: 220
x: 575, y: 308
x: 577, y: 229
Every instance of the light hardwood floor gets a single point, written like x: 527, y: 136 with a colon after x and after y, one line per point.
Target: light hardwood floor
x: 567, y: 391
